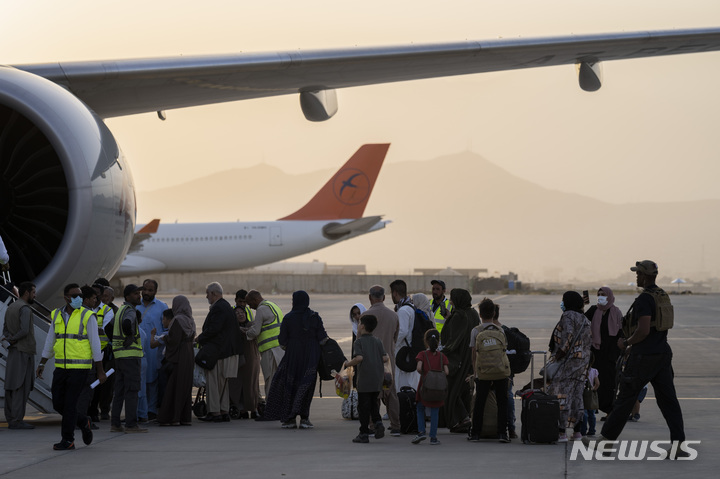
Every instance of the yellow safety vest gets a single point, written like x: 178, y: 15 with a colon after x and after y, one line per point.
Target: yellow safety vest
x: 72, y: 343
x: 269, y: 333
x: 101, y: 332
x: 439, y: 319
x: 119, y: 351
x: 248, y: 313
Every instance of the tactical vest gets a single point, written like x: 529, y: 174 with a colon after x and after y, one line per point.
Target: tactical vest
x: 663, y: 319
x: 134, y: 350
x: 439, y: 318
x: 269, y: 333
x: 491, y: 361
x: 72, y: 343
x: 100, y: 318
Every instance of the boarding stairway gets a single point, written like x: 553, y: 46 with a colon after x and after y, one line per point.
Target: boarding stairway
x: 40, y: 396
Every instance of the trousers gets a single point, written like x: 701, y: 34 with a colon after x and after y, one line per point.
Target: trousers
x: 67, y: 385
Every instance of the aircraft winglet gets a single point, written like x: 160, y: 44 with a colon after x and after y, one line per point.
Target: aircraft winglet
x: 346, y: 194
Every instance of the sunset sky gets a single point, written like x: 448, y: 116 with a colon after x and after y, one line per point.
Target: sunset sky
x: 654, y: 123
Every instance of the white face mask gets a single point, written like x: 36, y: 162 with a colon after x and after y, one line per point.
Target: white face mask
x: 602, y: 300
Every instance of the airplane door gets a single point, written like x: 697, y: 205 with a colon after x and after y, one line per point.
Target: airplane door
x: 275, y: 236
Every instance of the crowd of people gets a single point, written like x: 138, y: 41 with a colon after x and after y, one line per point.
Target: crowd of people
x: 150, y: 348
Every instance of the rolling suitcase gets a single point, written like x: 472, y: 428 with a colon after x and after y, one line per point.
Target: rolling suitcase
x: 408, y: 410
x: 540, y: 414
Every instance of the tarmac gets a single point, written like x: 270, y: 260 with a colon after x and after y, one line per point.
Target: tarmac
x: 247, y: 448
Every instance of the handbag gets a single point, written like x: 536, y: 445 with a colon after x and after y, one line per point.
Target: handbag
x: 435, y: 384
x: 405, y: 359
x: 207, y: 356
x: 590, y: 397
x: 200, y: 406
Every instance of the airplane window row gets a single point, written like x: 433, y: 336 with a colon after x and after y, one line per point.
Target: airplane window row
x: 206, y: 238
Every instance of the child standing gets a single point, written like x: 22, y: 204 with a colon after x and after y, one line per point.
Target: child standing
x: 369, y: 358
x: 429, y: 360
x: 593, y: 377
x: 492, y: 369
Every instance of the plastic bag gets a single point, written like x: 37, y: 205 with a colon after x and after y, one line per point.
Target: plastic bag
x: 387, y: 375
x: 343, y: 382
x: 199, y: 379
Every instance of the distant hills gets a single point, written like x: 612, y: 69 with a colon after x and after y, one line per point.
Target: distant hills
x: 463, y: 211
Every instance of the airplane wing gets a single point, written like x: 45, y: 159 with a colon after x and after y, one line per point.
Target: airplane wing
x: 142, y: 234
x: 125, y: 87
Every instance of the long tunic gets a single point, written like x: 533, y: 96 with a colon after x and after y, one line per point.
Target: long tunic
x: 569, y: 381
x: 180, y: 359
x: 455, y: 339
x: 293, y: 385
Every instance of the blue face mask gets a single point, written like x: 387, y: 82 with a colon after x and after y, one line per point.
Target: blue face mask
x: 562, y: 306
x: 76, y: 302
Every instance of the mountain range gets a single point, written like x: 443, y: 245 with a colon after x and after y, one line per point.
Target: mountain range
x: 463, y: 211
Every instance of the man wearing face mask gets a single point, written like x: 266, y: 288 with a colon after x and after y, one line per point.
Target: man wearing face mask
x: 73, y: 340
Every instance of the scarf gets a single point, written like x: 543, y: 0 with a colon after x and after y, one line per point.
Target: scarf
x: 182, y: 312
x: 422, y: 303
x: 362, y: 309
x: 615, y: 318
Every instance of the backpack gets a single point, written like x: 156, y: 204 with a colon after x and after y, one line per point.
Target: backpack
x: 421, y: 325
x: 331, y: 358
x: 520, y: 343
x: 664, y: 313
x: 434, y: 383
x: 491, y: 361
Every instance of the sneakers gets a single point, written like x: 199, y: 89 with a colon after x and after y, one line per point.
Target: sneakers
x: 64, y: 446
x: 513, y: 434
x: 434, y: 441
x: 117, y: 429
x: 289, y: 425
x: 419, y: 438
x: 395, y: 432
x: 87, y: 434
x: 306, y: 424
x: 361, y: 439
x: 473, y: 438
x: 135, y: 429
x: 562, y: 438
x: 379, y: 430
x: 634, y: 417
x: 503, y: 438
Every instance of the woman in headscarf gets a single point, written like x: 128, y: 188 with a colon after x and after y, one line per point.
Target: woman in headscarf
x: 455, y: 340
x: 571, y: 348
x: 179, y: 359
x: 293, y: 385
x: 606, y: 326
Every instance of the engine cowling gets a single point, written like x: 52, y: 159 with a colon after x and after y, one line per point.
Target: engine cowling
x: 67, y: 200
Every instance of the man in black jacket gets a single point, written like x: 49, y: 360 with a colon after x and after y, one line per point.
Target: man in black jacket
x: 221, y: 335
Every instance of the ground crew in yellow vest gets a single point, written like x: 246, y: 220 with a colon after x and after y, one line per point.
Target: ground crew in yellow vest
x: 266, y: 328
x: 90, y: 302
x: 128, y: 354
x: 441, y: 306
x: 19, y: 331
x: 74, y: 342
x: 102, y: 395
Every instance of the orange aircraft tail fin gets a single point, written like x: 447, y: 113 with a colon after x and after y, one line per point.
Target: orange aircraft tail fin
x: 346, y: 194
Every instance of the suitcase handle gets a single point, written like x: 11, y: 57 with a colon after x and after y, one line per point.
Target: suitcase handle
x: 532, y: 368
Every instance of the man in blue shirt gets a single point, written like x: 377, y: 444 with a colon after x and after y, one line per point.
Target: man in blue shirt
x: 151, y: 310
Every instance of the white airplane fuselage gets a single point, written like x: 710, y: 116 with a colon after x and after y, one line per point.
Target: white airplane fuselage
x: 229, y: 246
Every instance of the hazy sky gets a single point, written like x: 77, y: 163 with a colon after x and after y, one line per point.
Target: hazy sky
x: 653, y: 123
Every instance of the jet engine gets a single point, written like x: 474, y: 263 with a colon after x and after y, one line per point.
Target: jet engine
x: 67, y: 201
